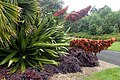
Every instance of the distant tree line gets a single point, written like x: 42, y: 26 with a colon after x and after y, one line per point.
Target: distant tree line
x: 101, y: 21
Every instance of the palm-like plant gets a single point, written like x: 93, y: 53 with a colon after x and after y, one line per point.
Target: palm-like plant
x: 28, y: 38
x: 9, y: 16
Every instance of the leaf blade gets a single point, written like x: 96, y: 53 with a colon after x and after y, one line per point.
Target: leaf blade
x: 8, y: 57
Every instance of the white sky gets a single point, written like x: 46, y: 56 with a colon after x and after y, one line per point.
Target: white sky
x: 75, y: 5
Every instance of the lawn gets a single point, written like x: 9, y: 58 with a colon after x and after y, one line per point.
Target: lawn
x: 115, y: 46
x: 108, y: 74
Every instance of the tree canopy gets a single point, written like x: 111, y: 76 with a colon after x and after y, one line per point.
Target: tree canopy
x: 101, y: 21
x: 50, y: 5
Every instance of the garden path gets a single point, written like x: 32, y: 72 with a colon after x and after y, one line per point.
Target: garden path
x: 86, y: 72
x: 110, y: 56
x: 107, y: 59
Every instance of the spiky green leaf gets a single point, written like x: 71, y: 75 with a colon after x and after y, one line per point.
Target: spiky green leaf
x: 8, y: 57
x: 13, y: 60
x: 46, y: 61
x: 52, y: 52
x: 15, y: 68
x: 50, y: 45
x: 24, y: 44
x: 23, y: 68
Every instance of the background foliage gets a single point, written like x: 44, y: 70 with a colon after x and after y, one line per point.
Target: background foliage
x: 47, y: 6
x: 101, y: 21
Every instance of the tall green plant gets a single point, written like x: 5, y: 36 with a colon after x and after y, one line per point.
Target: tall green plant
x: 38, y: 40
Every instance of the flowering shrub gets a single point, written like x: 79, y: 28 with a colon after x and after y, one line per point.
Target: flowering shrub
x: 77, y: 15
x: 85, y: 50
x: 60, y: 12
x: 90, y: 46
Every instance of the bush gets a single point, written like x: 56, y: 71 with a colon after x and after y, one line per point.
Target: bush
x: 85, y: 50
x: 90, y: 46
x: 85, y: 59
x: 67, y: 64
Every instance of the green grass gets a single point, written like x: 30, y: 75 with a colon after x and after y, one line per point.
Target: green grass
x: 109, y: 74
x: 115, y: 46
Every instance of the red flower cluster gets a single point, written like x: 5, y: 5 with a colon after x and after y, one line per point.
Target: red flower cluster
x: 60, y: 12
x: 77, y: 15
x: 90, y: 46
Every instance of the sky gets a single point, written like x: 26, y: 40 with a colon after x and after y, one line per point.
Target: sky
x: 76, y: 5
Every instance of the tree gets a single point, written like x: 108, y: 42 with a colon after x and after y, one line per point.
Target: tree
x: 50, y: 5
x: 73, y: 18
x: 103, y: 21
x: 104, y: 11
x: 112, y: 19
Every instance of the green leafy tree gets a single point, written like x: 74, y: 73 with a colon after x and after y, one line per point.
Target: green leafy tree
x: 104, y: 19
x: 112, y: 19
x: 83, y: 25
x: 26, y: 38
x: 104, y: 11
x: 50, y: 5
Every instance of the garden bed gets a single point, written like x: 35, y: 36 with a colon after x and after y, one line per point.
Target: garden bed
x: 86, y: 72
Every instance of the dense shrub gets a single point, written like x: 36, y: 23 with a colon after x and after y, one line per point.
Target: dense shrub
x: 90, y: 46
x: 85, y: 59
x: 85, y: 50
x: 68, y: 64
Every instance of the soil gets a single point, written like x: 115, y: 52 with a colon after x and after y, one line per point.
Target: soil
x: 86, y: 72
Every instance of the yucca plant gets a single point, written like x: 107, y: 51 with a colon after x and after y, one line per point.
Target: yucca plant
x: 28, y: 39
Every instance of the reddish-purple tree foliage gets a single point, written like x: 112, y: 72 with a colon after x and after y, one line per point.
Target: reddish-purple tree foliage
x: 78, y: 14
x: 60, y: 12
